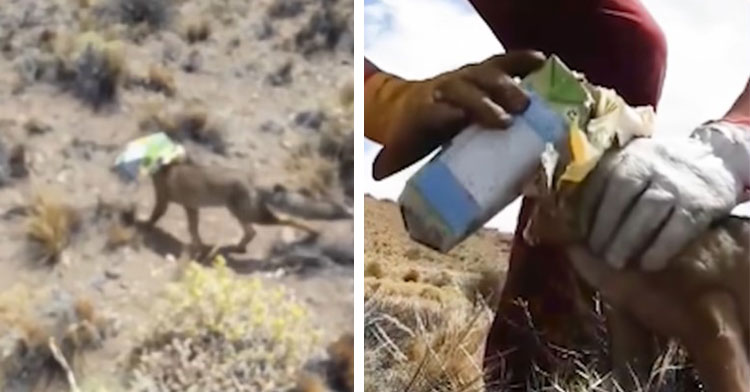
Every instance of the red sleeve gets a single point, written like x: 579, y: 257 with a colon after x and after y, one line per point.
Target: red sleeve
x: 370, y: 69
x: 740, y: 111
x: 616, y: 43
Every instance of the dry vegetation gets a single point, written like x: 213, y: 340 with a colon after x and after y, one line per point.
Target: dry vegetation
x: 216, y: 332
x: 327, y: 160
x: 45, y: 332
x: 426, y: 313
x: 427, y: 316
x: 51, y: 226
x: 240, y: 84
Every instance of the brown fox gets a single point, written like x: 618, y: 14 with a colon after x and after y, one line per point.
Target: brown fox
x: 702, y: 298
x: 194, y: 186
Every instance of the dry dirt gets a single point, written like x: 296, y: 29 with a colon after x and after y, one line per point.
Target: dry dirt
x: 270, y: 81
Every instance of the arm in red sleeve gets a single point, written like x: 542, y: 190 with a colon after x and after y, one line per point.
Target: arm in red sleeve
x: 370, y: 69
x: 616, y: 43
x: 739, y: 113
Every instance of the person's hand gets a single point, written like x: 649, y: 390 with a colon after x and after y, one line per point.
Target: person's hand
x: 417, y: 117
x: 649, y: 200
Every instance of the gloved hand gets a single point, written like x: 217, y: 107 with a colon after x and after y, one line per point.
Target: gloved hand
x: 649, y: 200
x: 415, y: 117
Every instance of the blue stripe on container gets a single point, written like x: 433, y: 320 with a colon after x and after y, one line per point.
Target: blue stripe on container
x: 447, y: 197
x: 548, y: 124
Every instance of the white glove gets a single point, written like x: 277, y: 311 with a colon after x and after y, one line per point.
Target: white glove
x: 649, y: 200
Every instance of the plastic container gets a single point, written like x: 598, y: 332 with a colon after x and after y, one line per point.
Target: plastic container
x: 480, y: 172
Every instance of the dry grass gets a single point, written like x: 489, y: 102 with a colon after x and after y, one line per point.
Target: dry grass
x: 411, y: 276
x: 156, y: 118
x: 440, y: 279
x: 374, y: 269
x: 51, y: 225
x: 152, y: 13
x: 120, y: 235
x: 420, y: 339
x: 191, y: 122
x: 326, y: 28
x: 486, y: 286
x: 161, y: 79
x: 36, y: 322
x: 326, y: 161
x: 91, y: 65
x: 34, y: 126
x: 84, y: 309
x: 196, y: 29
x: 419, y: 344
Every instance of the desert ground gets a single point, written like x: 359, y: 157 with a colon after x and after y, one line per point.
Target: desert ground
x: 91, y: 301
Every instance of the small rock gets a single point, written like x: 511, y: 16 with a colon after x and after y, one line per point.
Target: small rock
x: 234, y: 43
x: 282, y: 76
x: 36, y: 127
x: 286, y: 144
x: 264, y: 31
x: 17, y: 211
x: 311, y: 119
x: 272, y: 127
x: 17, y: 162
x: 112, y: 273
x: 193, y: 62
x: 286, y: 9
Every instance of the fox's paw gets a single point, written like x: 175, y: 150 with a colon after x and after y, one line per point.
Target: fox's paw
x: 238, y: 248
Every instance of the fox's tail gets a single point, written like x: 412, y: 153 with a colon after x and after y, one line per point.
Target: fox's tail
x: 300, y: 206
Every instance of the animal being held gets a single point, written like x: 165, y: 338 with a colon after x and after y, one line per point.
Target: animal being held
x: 701, y: 298
x: 194, y: 186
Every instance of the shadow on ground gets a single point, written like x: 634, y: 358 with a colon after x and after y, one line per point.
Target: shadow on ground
x: 303, y: 257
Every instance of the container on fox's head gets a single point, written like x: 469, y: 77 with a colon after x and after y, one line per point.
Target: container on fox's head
x: 479, y: 173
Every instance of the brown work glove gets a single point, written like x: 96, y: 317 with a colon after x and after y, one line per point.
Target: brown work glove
x: 412, y: 118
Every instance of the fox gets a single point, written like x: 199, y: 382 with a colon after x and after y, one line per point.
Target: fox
x: 702, y: 297
x: 195, y: 186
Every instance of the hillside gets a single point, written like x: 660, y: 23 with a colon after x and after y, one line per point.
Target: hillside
x: 262, y: 87
x: 427, y: 313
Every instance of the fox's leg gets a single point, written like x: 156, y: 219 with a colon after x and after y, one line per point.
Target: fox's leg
x: 192, y: 218
x: 160, y: 206
x: 716, y: 344
x: 240, y: 207
x: 249, y: 234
